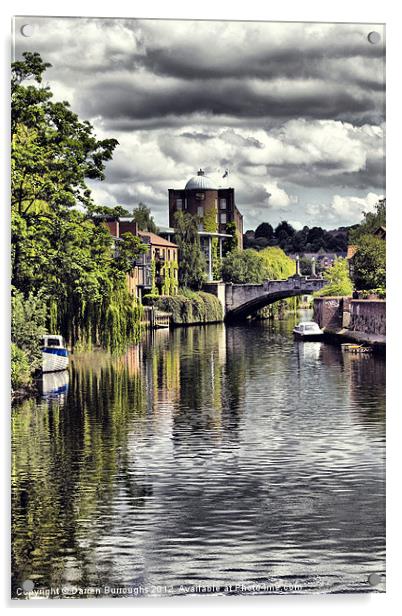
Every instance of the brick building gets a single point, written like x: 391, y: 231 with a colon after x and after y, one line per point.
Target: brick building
x: 149, y: 270
x: 213, y: 206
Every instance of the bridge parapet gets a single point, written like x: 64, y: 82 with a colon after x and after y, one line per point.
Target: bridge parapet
x: 244, y: 299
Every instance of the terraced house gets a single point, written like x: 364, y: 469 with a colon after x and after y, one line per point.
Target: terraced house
x: 156, y: 271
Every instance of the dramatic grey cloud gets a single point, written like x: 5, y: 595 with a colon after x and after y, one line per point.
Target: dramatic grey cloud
x: 295, y: 111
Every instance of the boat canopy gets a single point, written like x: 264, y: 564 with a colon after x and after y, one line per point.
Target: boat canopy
x: 308, y: 326
x: 53, y: 341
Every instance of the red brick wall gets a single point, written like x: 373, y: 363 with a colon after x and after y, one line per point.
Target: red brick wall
x: 113, y: 226
x: 128, y: 227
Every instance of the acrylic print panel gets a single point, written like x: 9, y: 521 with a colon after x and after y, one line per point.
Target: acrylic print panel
x: 227, y: 176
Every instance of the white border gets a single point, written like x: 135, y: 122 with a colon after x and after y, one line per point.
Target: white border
x: 284, y: 10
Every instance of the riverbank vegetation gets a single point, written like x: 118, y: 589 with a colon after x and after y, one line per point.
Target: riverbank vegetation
x: 60, y: 254
x: 189, y: 307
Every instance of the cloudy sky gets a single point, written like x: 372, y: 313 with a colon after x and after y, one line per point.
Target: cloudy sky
x: 294, y: 111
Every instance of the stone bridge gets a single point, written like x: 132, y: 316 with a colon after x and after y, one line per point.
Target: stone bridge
x: 242, y: 300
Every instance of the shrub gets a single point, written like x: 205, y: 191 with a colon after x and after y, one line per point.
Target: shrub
x: 20, y: 368
x: 28, y: 316
x: 150, y: 299
x: 339, y: 282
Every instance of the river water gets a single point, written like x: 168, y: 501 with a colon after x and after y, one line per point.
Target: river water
x: 216, y: 459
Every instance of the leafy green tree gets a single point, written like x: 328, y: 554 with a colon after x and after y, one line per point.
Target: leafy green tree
x: 245, y: 266
x: 60, y: 252
x: 278, y: 265
x: 128, y: 252
x: 230, y: 243
x: 371, y: 222
x: 142, y: 216
x: 264, y: 230
x: 368, y: 263
x: 339, y: 282
x: 191, y: 258
x: 284, y: 229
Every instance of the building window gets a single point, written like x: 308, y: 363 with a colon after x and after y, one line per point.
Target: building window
x: 200, y: 196
x: 222, y: 204
x: 179, y: 204
x: 223, y: 218
x: 200, y: 211
x: 200, y: 227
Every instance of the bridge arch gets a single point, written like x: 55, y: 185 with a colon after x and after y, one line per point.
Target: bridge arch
x: 242, y: 301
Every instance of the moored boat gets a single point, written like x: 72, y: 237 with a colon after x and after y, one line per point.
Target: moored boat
x: 54, y: 353
x: 308, y: 330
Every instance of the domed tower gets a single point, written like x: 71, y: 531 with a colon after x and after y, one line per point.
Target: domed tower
x: 212, y: 206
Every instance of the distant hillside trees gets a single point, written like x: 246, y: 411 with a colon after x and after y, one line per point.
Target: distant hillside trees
x: 291, y: 241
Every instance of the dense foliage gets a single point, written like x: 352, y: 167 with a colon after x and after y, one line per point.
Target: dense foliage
x: 291, y: 241
x: 60, y: 253
x: 21, y: 373
x: 191, y: 258
x: 278, y: 266
x: 250, y: 266
x: 368, y: 264
x: 242, y: 267
x: 339, y: 282
x: 230, y: 243
x: 370, y: 223
x: 190, y: 307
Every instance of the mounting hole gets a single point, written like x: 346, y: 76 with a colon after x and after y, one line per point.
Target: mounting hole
x: 27, y: 30
x: 374, y: 579
x: 28, y: 585
x: 374, y: 38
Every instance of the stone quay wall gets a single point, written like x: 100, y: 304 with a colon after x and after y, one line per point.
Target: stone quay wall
x: 368, y: 316
x: 365, y: 316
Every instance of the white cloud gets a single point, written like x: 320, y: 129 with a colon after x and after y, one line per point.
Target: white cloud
x: 342, y: 210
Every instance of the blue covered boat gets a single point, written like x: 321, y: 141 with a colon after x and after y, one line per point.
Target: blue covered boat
x: 54, y: 354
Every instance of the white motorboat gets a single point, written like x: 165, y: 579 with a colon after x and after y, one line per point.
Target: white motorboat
x: 308, y: 330
x: 54, y: 354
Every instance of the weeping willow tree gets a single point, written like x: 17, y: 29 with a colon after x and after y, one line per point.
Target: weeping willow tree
x: 60, y: 250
